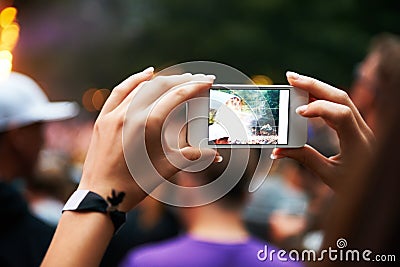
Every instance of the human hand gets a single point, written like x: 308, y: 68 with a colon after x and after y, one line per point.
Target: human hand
x: 105, y: 167
x: 356, y: 139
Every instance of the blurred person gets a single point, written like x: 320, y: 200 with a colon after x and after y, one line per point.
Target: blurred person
x: 375, y: 76
x: 365, y: 214
x: 215, y: 233
x: 277, y: 210
x: 306, y: 232
x: 58, y: 168
x: 218, y: 134
x: 51, y: 185
x: 24, y: 107
x: 368, y: 214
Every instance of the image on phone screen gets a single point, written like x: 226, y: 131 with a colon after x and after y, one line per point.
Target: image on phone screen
x: 248, y: 116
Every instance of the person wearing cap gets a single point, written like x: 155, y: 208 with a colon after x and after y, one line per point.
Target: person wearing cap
x: 24, y: 108
x: 218, y: 134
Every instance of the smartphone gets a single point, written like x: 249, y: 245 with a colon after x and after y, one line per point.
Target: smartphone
x: 238, y: 116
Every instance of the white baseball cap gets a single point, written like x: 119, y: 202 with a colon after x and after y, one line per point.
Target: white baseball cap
x: 23, y: 102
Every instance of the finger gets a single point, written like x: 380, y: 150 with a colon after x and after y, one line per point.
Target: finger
x: 167, y: 103
x: 148, y: 93
x: 184, y: 157
x: 310, y: 158
x: 337, y: 116
x: 325, y: 91
x: 121, y: 91
x: 180, y: 94
x: 205, y: 154
x: 153, y: 90
x: 316, y: 88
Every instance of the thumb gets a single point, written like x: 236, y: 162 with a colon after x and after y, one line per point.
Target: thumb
x: 195, y: 155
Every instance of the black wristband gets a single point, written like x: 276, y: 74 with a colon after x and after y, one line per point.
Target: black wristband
x: 85, y: 200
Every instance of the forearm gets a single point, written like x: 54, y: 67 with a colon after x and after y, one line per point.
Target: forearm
x: 81, y: 239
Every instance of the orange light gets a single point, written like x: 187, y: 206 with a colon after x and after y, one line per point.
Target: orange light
x: 7, y: 16
x: 99, y: 97
x: 87, y: 99
x: 9, y: 36
x: 262, y: 80
x: 93, y: 99
x: 9, y: 31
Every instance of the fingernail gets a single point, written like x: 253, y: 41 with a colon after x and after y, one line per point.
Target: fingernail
x: 149, y: 70
x: 292, y: 75
x: 218, y: 159
x: 274, y: 156
x: 211, y: 77
x: 300, y: 110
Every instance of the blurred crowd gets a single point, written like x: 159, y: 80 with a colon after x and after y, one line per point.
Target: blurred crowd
x: 289, y: 210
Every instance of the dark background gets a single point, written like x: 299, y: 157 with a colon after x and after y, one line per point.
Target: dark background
x: 70, y: 46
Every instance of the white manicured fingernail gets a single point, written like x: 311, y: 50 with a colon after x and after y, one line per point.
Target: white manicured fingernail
x: 149, y: 70
x: 300, y: 110
x: 211, y: 77
x: 292, y: 75
x: 273, y: 156
x: 218, y: 159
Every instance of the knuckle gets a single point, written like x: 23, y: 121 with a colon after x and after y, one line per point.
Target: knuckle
x: 117, y: 90
x: 345, y: 113
x: 153, y: 122
x: 312, y: 81
x: 343, y: 97
x: 199, y: 77
x: 181, y: 93
x: 161, y: 80
x: 194, y: 155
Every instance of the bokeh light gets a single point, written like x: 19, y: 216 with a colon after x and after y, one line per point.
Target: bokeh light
x: 9, y: 34
x: 262, y: 80
x: 93, y: 99
x: 7, y: 16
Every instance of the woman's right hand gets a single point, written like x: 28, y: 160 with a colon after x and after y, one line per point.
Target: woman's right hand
x: 356, y: 139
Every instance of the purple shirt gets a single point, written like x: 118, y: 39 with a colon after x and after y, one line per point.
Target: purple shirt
x: 187, y: 251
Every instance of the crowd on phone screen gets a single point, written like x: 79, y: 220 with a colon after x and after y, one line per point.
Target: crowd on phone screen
x: 292, y: 209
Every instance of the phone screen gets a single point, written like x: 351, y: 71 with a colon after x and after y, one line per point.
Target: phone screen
x: 248, y: 116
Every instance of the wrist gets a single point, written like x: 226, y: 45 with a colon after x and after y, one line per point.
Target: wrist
x: 134, y: 194
x: 86, y: 201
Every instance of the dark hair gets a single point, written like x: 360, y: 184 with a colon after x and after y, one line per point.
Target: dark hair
x: 387, y: 47
x: 238, y: 194
x: 2, y: 134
